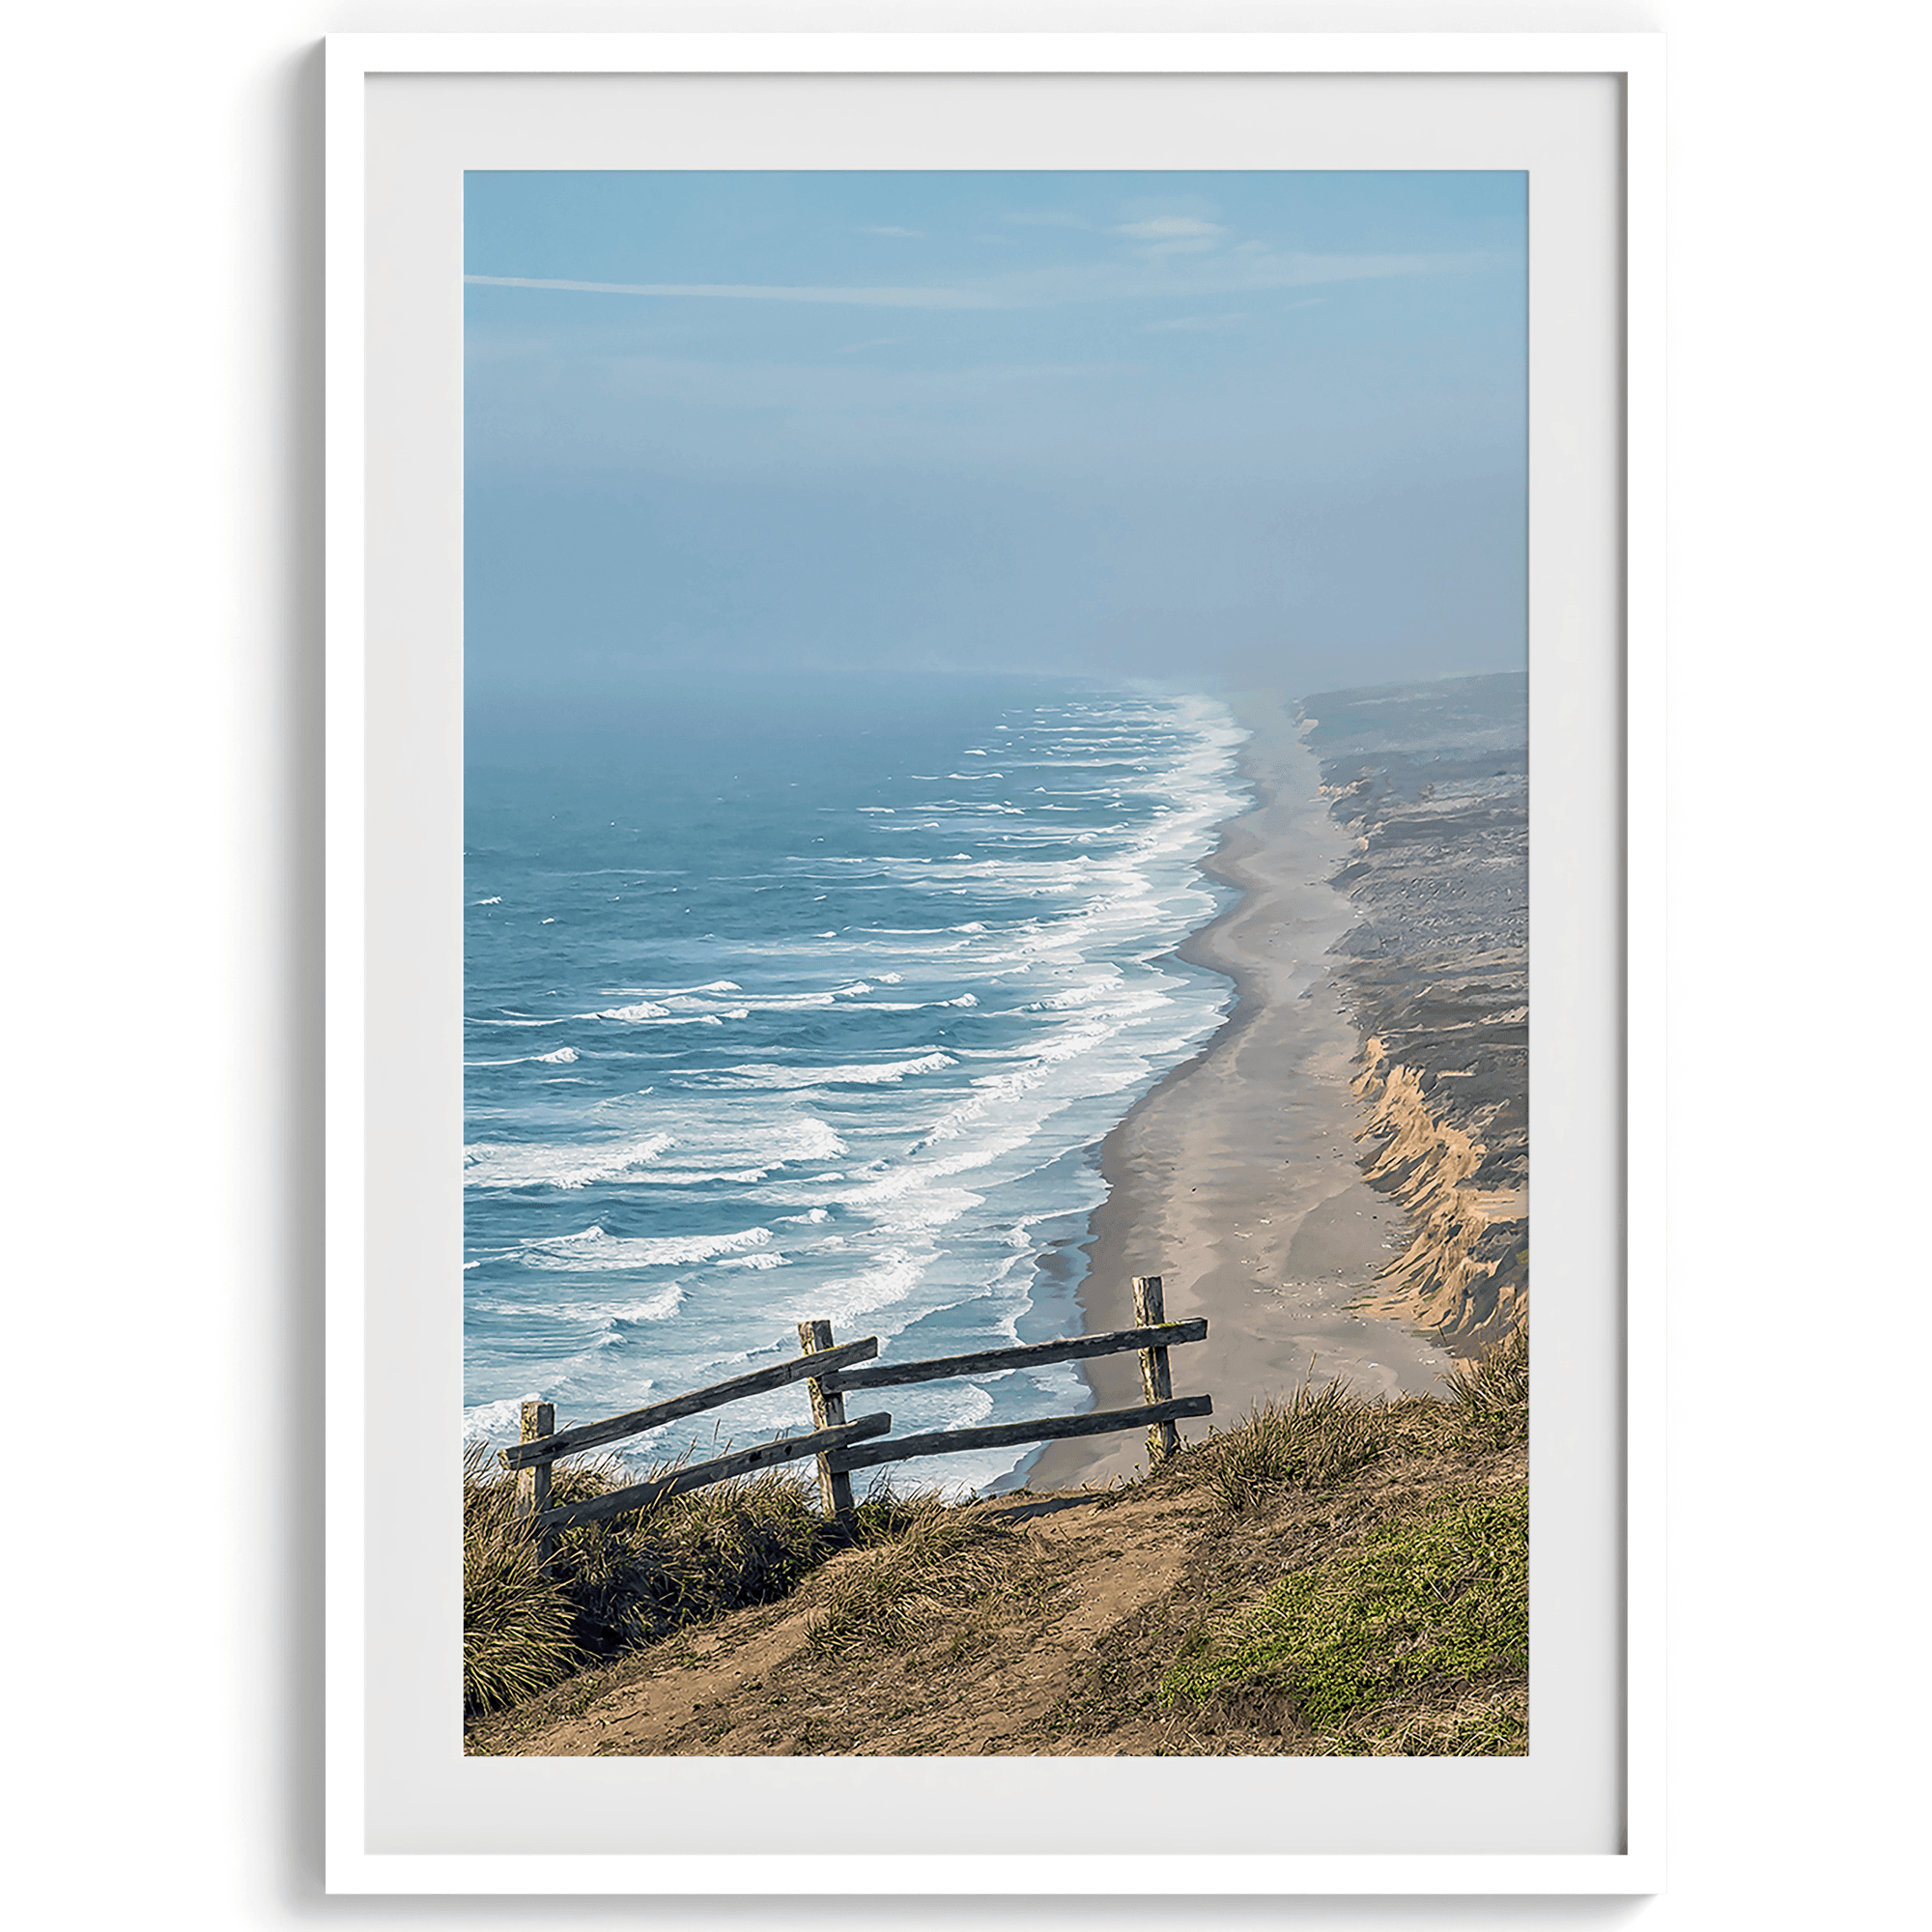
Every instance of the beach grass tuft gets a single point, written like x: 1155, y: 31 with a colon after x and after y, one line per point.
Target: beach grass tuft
x: 945, y: 1560
x: 630, y: 1579
x: 1315, y: 1437
x: 1491, y: 1394
x: 518, y: 1623
x: 1438, y: 1599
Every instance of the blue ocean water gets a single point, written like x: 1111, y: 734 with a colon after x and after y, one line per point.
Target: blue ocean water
x: 815, y: 999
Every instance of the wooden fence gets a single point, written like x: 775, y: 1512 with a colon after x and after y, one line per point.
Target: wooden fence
x: 833, y: 1370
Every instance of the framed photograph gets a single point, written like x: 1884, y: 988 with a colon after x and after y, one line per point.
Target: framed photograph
x: 995, y: 718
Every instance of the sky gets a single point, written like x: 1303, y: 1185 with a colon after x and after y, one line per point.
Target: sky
x: 1208, y: 429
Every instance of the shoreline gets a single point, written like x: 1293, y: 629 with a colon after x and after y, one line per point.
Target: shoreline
x: 1238, y: 1177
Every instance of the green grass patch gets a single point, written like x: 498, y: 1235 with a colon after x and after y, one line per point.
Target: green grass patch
x: 1439, y: 1599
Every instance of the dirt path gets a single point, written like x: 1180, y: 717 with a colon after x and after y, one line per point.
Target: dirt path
x: 750, y: 1685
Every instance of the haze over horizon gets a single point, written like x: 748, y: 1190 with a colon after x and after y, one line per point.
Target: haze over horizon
x: 1230, y: 428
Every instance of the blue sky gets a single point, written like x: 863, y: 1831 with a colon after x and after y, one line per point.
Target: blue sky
x: 1235, y: 427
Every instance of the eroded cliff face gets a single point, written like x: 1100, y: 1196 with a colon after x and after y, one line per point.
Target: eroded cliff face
x: 1432, y: 781
x: 1467, y: 1272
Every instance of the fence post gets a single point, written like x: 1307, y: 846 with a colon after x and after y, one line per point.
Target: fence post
x: 828, y: 1412
x: 534, y: 1483
x: 1156, y: 1385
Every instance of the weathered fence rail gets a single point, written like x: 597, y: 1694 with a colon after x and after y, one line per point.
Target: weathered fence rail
x: 1008, y: 1434
x: 760, y: 1382
x: 1033, y: 1355
x: 830, y: 1370
x: 699, y: 1475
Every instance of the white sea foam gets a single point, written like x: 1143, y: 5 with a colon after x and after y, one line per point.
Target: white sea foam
x: 492, y: 1421
x: 658, y: 1307
x: 786, y: 1078
x: 671, y: 992
x: 783, y: 1003
x: 763, y: 1134
x: 594, y: 1250
x: 888, y: 1283
x: 568, y: 1165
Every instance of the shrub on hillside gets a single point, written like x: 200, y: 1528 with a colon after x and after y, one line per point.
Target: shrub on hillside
x: 634, y: 1577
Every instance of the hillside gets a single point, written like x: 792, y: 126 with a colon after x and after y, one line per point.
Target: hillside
x: 1331, y: 1577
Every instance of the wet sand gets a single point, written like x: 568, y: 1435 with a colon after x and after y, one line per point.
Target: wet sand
x: 1236, y: 1179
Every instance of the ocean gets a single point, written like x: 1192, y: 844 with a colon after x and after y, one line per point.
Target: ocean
x: 789, y: 1000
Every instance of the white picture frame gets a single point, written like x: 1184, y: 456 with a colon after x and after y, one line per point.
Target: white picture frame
x: 372, y: 686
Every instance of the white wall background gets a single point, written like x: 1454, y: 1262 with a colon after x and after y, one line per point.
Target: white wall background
x: 161, y: 386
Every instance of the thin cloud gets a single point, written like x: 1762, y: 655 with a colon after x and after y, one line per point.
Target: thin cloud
x: 1161, y: 236
x: 1201, y: 325
x: 1170, y: 228
x: 860, y: 391
x: 909, y: 234
x: 877, y: 342
x: 1195, y: 279
x: 1240, y: 272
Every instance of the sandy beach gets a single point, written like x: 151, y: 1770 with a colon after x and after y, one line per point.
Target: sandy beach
x: 1236, y: 1180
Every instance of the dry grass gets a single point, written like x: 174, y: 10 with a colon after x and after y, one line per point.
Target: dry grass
x: 631, y: 1579
x: 1314, y: 1439
x: 951, y: 1570
x: 1327, y: 1596
x: 636, y: 1578
x: 1488, y: 1720
x: 1491, y: 1394
x: 518, y: 1623
x: 617, y: 1583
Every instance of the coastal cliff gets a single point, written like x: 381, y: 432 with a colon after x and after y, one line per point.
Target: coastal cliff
x: 1430, y: 783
